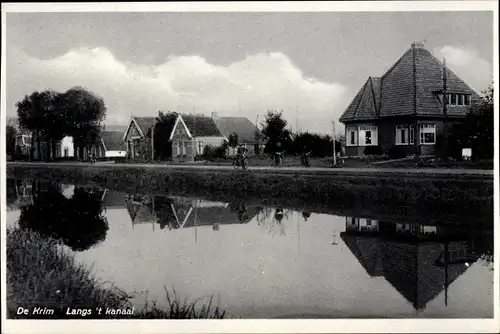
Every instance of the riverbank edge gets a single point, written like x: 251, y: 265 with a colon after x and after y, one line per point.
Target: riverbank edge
x: 47, y: 283
x: 403, y: 198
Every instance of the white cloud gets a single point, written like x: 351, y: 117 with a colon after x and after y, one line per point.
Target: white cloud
x: 467, y: 64
x: 260, y: 82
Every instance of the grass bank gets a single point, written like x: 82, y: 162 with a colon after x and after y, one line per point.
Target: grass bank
x: 41, y: 275
x: 430, y: 198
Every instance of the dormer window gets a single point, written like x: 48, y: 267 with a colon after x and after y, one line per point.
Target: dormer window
x: 456, y: 99
x: 467, y: 100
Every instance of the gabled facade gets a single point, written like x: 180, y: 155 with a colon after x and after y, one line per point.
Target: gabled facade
x: 137, y: 137
x: 192, y: 133
x: 112, y: 145
x: 405, y: 107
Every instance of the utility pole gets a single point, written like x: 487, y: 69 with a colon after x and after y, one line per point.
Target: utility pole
x: 334, y: 153
x: 153, y: 142
x: 297, y: 118
x: 193, y: 140
x: 444, y: 147
x: 445, y: 94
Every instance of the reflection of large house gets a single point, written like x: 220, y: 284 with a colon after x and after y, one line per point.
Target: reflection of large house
x: 418, y: 261
x: 177, y: 212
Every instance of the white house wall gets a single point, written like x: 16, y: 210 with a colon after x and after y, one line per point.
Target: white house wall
x: 116, y: 154
x: 67, y: 143
x: 208, y: 141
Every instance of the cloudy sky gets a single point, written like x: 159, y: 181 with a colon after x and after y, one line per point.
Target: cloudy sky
x: 310, y: 65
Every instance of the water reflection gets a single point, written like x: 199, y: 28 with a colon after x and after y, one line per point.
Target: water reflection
x: 419, y: 261
x: 76, y: 221
x: 264, y: 261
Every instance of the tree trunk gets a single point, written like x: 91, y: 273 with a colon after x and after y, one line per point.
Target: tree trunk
x: 39, y: 146
x: 32, y: 147
x: 54, y: 149
x: 47, y: 147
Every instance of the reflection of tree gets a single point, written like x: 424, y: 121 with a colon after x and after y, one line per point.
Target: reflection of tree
x: 11, y: 192
x: 240, y: 208
x: 306, y: 215
x: 77, y: 221
x: 483, y: 243
x: 273, y: 220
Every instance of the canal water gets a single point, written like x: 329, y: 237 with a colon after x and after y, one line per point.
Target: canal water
x: 263, y: 262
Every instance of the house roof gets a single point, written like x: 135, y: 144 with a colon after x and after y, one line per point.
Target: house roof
x: 113, y: 127
x: 240, y: 125
x: 409, y: 87
x: 201, y: 126
x: 366, y: 103
x: 409, y: 267
x: 113, y: 140
x: 209, y: 213
x: 412, y: 271
x: 366, y: 251
x: 113, y: 199
x: 144, y: 123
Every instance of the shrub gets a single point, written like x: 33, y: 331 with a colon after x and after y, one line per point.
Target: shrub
x: 373, y: 150
x: 397, y: 152
x: 211, y: 153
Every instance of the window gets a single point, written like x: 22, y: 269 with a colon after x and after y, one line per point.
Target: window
x: 368, y: 222
x: 368, y: 136
x: 404, y: 134
x: 401, y: 135
x: 467, y: 100
x: 352, y: 134
x: 184, y: 148
x: 428, y: 134
x: 459, y: 99
x: 177, y: 149
x: 200, y: 147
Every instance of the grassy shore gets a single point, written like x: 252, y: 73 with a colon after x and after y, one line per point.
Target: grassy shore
x: 41, y: 274
x: 401, y: 196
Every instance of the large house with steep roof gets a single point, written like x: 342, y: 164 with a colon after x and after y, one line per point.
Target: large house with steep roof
x: 405, y: 110
x: 420, y: 262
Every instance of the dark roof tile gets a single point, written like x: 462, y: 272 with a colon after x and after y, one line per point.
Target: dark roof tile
x: 201, y: 126
x: 409, y: 87
x: 113, y: 140
x: 241, y: 125
x: 145, y: 123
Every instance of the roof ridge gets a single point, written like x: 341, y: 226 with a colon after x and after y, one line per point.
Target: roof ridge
x: 374, y: 101
x: 355, y: 113
x: 448, y: 69
x: 395, y: 64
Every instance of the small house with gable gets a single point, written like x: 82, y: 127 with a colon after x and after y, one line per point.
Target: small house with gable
x: 192, y: 133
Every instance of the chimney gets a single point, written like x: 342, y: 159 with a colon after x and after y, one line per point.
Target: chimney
x: 417, y: 45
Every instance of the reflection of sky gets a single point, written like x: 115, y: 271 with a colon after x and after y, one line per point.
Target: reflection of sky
x: 258, y: 273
